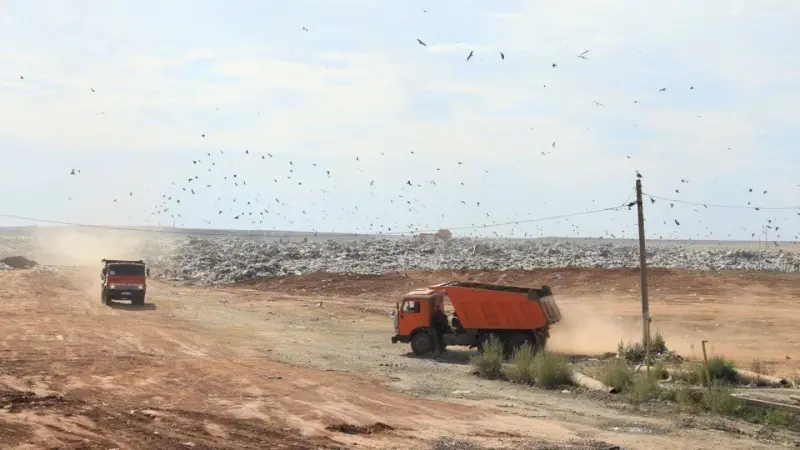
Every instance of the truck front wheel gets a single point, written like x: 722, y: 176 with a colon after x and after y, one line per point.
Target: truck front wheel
x: 105, y: 297
x: 421, y: 343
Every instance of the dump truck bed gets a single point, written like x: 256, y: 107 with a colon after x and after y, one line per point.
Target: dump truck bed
x: 482, y: 306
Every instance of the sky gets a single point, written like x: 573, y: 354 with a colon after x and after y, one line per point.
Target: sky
x: 255, y: 101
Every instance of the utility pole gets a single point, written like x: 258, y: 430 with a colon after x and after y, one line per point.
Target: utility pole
x: 643, y: 269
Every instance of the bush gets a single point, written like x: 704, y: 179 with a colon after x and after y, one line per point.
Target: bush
x: 520, y: 369
x: 721, y: 370
x: 689, y: 400
x: 550, y: 370
x: 769, y: 417
x: 645, y: 388
x: 720, y: 401
x: 632, y: 353
x: 657, y: 344
x: 617, y: 375
x: 489, y: 363
x: 635, y: 352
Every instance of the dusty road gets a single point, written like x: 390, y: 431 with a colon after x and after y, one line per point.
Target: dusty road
x: 272, y: 364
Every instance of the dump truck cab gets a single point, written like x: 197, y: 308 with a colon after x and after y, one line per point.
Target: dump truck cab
x: 514, y: 315
x: 123, y: 280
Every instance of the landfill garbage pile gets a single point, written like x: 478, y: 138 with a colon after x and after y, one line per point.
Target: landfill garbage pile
x: 219, y: 260
x: 18, y: 262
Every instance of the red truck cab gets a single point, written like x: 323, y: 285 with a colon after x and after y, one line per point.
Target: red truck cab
x: 123, y: 280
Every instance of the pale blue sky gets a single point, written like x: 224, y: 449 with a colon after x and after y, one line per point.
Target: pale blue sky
x: 357, y: 85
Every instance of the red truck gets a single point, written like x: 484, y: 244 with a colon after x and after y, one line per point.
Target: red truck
x: 515, y: 315
x: 123, y: 280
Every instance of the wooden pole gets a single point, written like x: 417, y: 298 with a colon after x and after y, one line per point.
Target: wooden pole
x: 705, y: 365
x: 647, y: 350
x: 643, y: 270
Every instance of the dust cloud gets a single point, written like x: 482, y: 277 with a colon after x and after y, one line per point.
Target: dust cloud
x: 586, y: 330
x: 83, y: 249
x: 79, y: 247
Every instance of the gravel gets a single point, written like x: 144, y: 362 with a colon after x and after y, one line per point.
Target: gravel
x: 226, y: 260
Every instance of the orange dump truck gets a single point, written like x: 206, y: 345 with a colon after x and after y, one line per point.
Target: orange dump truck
x: 516, y: 315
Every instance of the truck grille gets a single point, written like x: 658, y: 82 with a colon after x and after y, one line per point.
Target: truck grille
x: 127, y: 287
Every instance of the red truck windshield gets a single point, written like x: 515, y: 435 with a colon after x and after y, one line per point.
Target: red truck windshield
x: 127, y: 270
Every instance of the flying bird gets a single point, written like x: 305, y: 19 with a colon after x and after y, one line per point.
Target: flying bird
x: 662, y: 90
x: 471, y: 52
x: 583, y: 55
x: 502, y: 56
x: 421, y: 43
x: 305, y: 29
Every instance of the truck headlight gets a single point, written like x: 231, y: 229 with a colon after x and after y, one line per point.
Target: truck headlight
x: 112, y: 286
x: 138, y: 287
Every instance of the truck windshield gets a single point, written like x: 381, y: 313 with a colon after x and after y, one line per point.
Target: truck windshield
x: 128, y: 270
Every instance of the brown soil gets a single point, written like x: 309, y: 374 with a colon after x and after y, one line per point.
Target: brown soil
x: 255, y: 367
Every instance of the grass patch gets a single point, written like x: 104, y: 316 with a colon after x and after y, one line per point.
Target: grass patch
x: 550, y: 370
x: 635, y: 352
x: 632, y: 353
x: 520, y: 368
x: 617, y: 375
x: 489, y: 362
x: 720, y: 369
x: 658, y: 345
x: 719, y: 400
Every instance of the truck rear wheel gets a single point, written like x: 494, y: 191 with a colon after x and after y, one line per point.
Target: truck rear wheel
x: 518, y: 340
x: 421, y: 343
x: 484, y: 340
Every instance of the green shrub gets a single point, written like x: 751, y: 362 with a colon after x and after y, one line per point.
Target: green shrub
x: 489, y: 362
x: 721, y: 369
x: 689, y: 400
x: 520, y: 368
x: 617, y: 375
x: 632, y: 353
x: 644, y: 388
x: 550, y: 370
x: 769, y: 417
x: 720, y: 401
x: 657, y: 344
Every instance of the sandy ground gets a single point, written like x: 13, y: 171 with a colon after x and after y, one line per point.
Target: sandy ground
x: 271, y: 364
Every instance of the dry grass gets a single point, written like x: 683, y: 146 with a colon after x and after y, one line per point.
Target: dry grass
x: 489, y: 363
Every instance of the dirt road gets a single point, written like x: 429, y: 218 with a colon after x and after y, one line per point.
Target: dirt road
x: 244, y: 368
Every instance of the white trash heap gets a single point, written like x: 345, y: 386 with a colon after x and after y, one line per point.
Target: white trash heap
x: 217, y: 261
x: 228, y: 260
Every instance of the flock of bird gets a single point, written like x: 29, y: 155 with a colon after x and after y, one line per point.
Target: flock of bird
x: 260, y: 207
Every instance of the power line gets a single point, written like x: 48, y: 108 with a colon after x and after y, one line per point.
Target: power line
x: 713, y: 205
x: 517, y: 222
x: 301, y: 233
